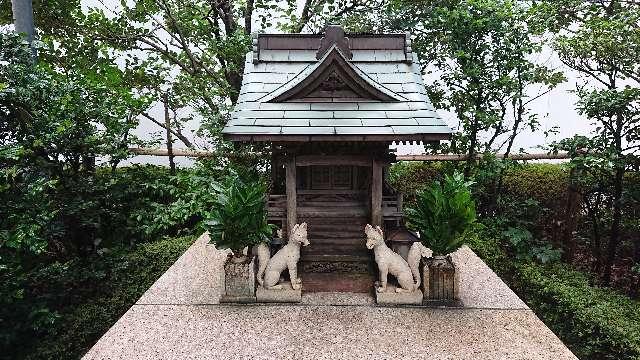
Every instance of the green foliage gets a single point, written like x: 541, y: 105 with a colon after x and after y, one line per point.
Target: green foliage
x: 409, y: 177
x: 62, y: 308
x: 479, y: 52
x: 174, y: 205
x: 545, y: 183
x: 596, y: 323
x: 443, y: 213
x: 53, y: 126
x: 238, y: 217
x: 525, y: 246
x: 601, y: 41
x: 488, y: 247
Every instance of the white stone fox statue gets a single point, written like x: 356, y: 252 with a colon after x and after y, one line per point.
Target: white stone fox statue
x: 285, y: 258
x: 408, y: 274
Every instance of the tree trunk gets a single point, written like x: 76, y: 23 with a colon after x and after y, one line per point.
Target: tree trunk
x: 571, y: 218
x: 167, y: 124
x: 614, y: 238
x: 473, y: 132
x: 618, y: 183
x: 23, y: 19
x: 471, y: 152
x: 636, y: 249
x: 596, y: 244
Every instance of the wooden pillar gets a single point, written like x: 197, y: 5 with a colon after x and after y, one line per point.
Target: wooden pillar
x: 273, y: 164
x: 376, y: 193
x: 292, y: 217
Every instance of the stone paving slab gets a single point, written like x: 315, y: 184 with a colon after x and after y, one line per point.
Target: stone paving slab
x: 479, y: 286
x: 197, y: 277
x: 326, y: 332
x: 180, y: 317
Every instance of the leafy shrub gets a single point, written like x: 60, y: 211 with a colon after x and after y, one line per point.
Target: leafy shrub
x: 596, y: 323
x: 239, y: 217
x: 545, y: 183
x: 525, y: 247
x: 175, y: 205
x: 53, y: 126
x: 84, y: 297
x: 488, y: 248
x: 442, y: 213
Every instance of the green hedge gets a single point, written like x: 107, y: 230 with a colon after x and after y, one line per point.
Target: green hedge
x: 542, y: 186
x: 87, y: 296
x: 596, y: 323
x: 545, y: 183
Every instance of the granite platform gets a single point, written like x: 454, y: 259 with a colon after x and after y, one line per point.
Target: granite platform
x: 180, y: 317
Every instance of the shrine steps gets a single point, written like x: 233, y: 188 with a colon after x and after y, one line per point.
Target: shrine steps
x: 337, y: 259
x: 336, y: 282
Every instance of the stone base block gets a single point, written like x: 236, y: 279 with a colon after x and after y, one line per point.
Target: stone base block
x: 442, y: 303
x: 239, y: 282
x: 285, y: 295
x: 237, y: 299
x: 440, y: 282
x: 391, y: 297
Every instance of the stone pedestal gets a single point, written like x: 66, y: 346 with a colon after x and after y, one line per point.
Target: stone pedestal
x: 285, y: 295
x: 239, y: 282
x: 440, y: 282
x: 391, y: 297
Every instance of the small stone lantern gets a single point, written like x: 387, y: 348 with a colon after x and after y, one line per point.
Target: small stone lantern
x: 400, y: 241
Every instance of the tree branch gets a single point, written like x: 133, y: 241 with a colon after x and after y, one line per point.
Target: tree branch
x: 175, y: 132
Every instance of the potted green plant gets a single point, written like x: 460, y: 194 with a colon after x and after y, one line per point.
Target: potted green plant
x: 238, y: 221
x: 442, y: 213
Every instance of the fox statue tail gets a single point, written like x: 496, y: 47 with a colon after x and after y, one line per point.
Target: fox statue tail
x: 416, y: 252
x: 264, y: 255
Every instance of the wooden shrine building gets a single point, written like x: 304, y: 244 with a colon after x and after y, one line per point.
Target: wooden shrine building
x: 330, y: 105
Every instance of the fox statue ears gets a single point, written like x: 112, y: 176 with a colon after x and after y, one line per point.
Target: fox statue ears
x: 377, y: 228
x: 297, y: 227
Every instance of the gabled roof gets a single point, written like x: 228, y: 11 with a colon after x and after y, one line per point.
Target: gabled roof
x: 321, y: 88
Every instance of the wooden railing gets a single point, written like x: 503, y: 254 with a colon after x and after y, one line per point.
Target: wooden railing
x: 277, y: 207
x: 392, y: 205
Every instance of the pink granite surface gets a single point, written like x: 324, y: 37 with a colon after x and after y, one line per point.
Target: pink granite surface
x: 180, y: 317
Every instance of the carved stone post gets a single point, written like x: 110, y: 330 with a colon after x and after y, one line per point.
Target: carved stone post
x: 440, y: 282
x: 239, y: 282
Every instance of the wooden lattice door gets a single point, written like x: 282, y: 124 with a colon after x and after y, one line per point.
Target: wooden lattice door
x: 331, y: 178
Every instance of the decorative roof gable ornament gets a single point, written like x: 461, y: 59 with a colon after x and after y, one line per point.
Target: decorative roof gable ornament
x: 333, y: 76
x: 334, y: 34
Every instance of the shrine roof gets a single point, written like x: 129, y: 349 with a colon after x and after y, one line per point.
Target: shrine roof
x: 326, y: 87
